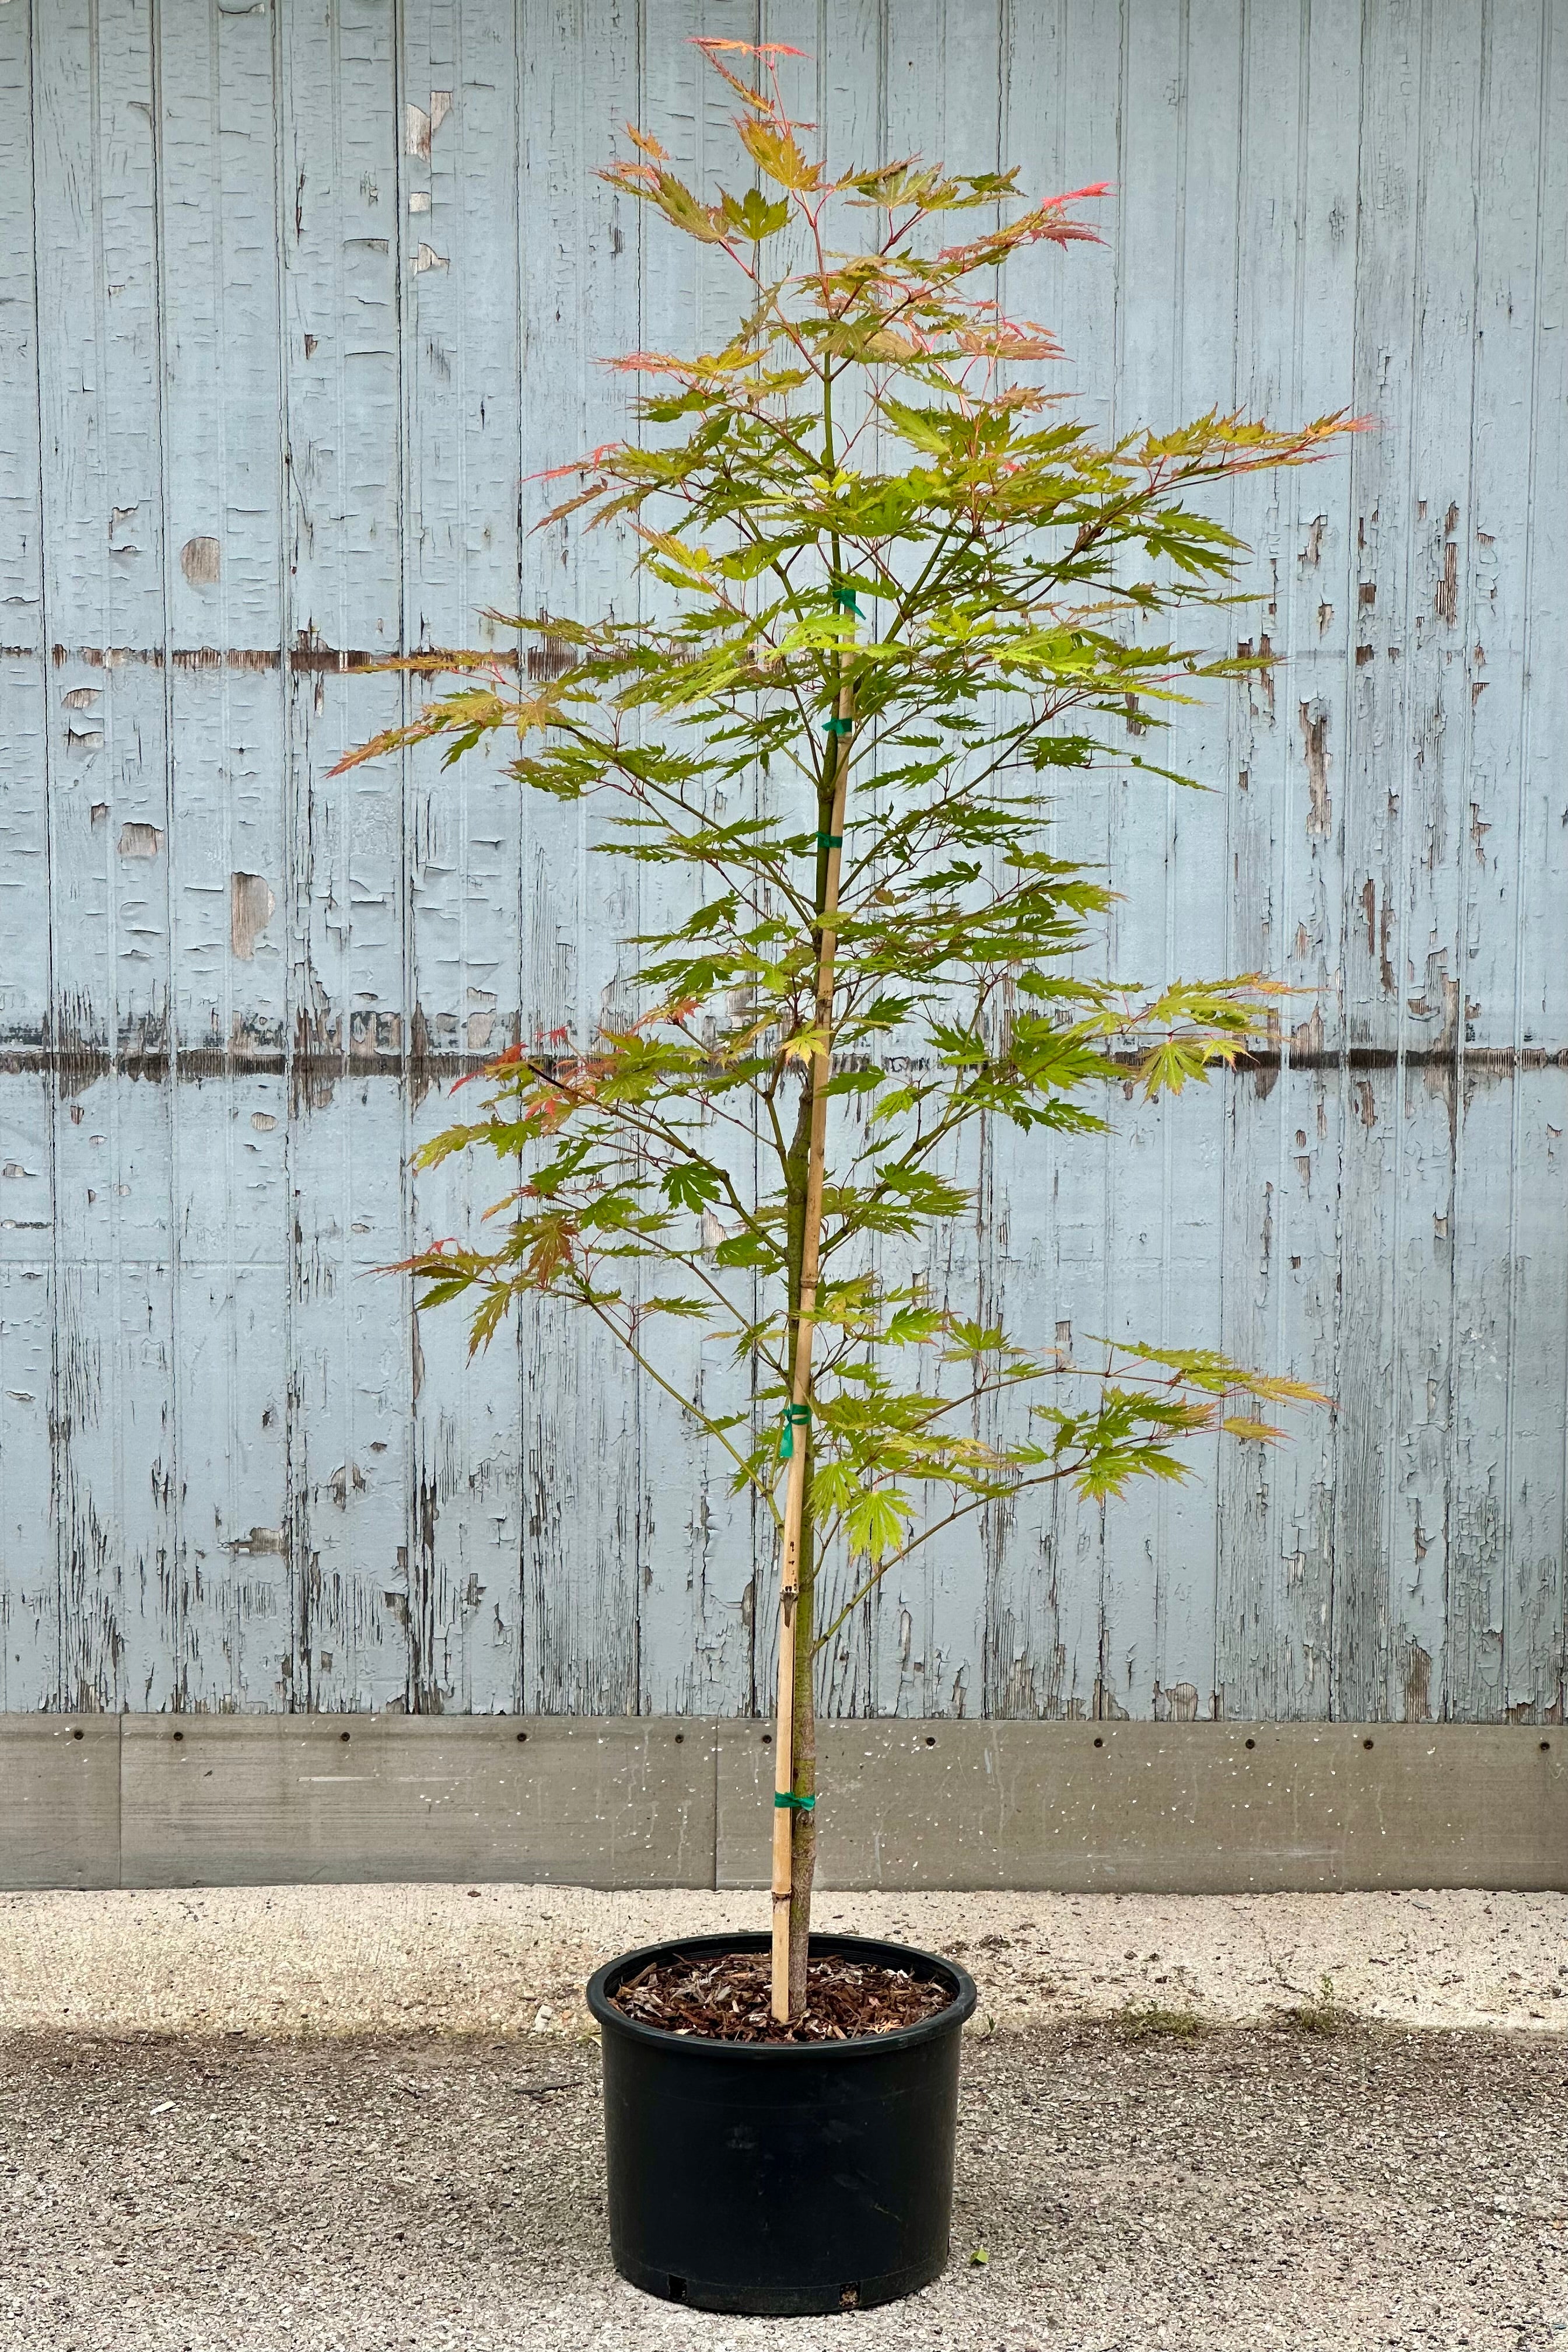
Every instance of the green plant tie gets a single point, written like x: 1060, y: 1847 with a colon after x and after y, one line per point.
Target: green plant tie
x: 786, y: 1802
x: 830, y: 841
x: 841, y: 726
x: 845, y: 600
x: 797, y: 1416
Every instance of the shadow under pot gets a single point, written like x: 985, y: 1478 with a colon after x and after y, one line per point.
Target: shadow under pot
x: 780, y: 2178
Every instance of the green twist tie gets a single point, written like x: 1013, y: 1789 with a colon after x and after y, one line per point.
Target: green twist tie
x: 845, y: 600
x: 830, y: 841
x: 786, y: 1802
x: 797, y: 1416
x: 840, y: 726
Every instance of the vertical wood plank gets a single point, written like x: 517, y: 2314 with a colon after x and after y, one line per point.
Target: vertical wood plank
x: 1536, y: 1663
x: 350, y: 1333
x: 115, y: 1472
x: 1282, y: 1296
x: 703, y: 1555
x: 225, y: 687
x: 462, y: 389
x: 1062, y: 126
x: 24, y: 673
x: 1177, y: 243
x: 1378, y: 1149
x: 941, y: 69
x: 581, y: 243
x: 1426, y: 832
x: 29, y: 1617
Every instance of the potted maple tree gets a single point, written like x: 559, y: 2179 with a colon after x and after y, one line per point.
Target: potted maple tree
x: 902, y: 597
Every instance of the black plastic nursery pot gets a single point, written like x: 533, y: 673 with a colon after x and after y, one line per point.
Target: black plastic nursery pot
x: 780, y: 2178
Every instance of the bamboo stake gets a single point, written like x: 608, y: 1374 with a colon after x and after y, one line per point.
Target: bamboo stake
x: 800, y: 1380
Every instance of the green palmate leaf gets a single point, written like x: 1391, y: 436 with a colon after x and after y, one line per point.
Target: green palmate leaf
x: 693, y: 1185
x: 752, y: 217
x: 902, y: 597
x: 874, y: 1522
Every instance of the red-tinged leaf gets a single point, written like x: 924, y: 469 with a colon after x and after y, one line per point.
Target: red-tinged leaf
x: 507, y: 1061
x: 1011, y: 339
x: 647, y: 143
x: 570, y: 506
x: 756, y: 99
x: 587, y: 465
x: 648, y: 364
x: 634, y: 179
x: 707, y: 42
x: 416, y: 1264
x: 1047, y: 223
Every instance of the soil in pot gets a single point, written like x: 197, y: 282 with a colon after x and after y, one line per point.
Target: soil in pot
x: 727, y: 1997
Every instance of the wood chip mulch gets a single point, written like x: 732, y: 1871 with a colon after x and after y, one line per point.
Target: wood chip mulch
x: 726, y: 1996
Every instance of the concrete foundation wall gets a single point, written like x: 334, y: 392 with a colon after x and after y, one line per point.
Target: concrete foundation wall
x: 137, y: 1800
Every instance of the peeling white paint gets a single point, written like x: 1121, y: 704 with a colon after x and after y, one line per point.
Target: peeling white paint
x: 1405, y: 1554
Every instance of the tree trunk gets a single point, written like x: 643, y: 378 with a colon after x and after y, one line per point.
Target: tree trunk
x: 803, y: 1843
x: 795, y: 1761
x: 803, y: 1758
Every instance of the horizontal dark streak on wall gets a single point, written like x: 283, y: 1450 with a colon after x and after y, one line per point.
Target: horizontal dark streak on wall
x: 82, y: 1064
x: 1479, y: 1060
x: 547, y: 658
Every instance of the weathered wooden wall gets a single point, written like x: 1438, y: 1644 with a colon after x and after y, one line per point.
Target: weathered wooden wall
x: 294, y: 294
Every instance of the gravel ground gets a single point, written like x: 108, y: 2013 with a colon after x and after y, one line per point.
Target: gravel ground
x: 1243, y: 2189
x: 372, y: 1960
x: 360, y: 2119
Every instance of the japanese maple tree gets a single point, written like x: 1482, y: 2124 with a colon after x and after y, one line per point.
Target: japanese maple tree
x: 902, y: 597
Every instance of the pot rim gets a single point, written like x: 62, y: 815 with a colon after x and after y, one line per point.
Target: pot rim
x: 957, y: 2013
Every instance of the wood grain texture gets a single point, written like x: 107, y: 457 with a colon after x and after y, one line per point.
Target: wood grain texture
x: 297, y: 302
